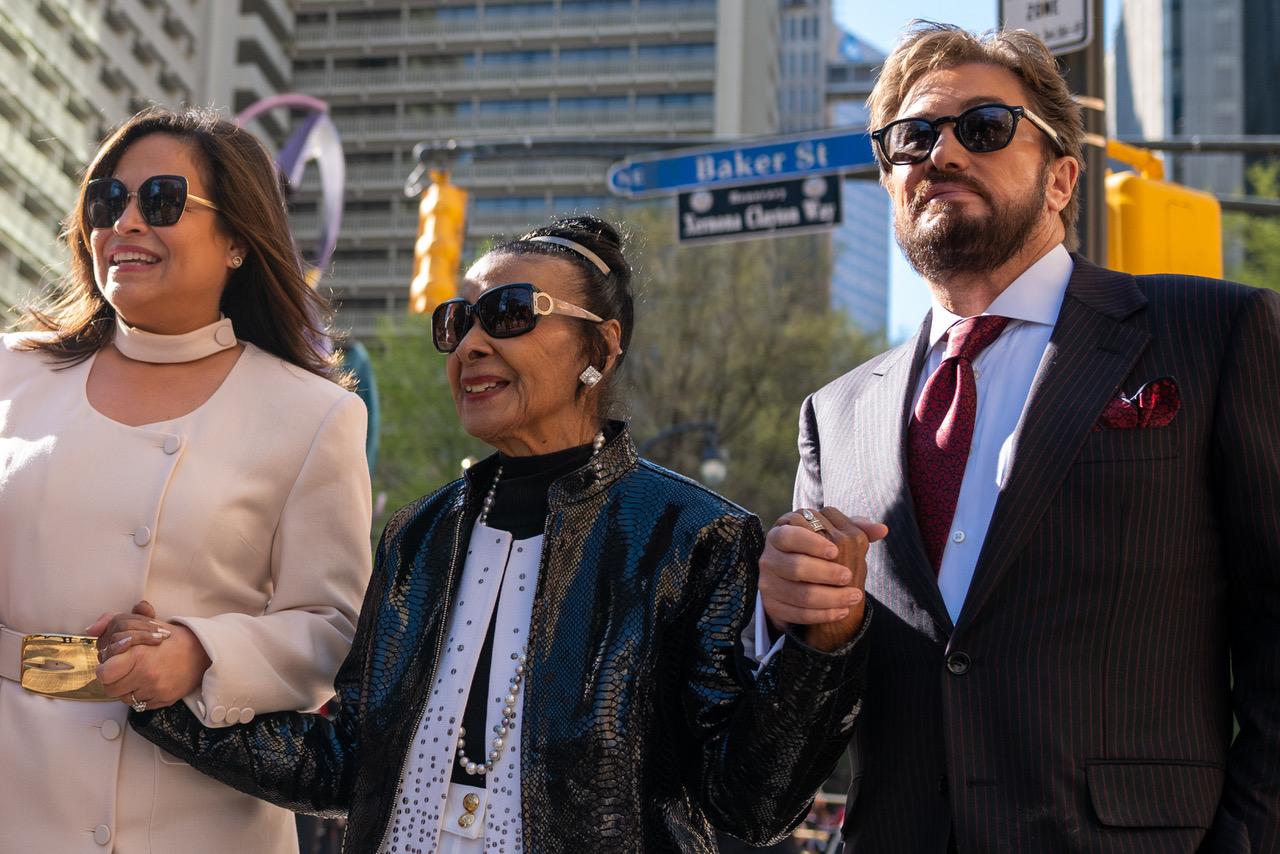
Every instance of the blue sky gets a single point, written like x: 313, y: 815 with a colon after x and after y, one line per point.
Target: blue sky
x: 880, y: 23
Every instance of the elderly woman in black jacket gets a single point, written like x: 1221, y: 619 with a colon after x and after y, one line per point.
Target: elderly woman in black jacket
x: 549, y: 657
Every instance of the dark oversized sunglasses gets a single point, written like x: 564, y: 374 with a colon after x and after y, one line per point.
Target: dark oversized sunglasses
x: 161, y: 200
x: 981, y: 129
x: 504, y: 312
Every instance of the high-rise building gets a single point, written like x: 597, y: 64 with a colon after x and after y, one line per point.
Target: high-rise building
x: 197, y: 52
x: 1261, y: 66
x: 71, y: 69
x: 1179, y: 68
x: 48, y: 116
x: 860, y: 274
x: 557, y: 73
x: 804, y: 36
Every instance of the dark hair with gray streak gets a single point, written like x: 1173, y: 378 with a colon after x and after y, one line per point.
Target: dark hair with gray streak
x: 608, y: 296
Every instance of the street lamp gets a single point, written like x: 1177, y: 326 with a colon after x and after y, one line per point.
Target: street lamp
x: 713, y: 469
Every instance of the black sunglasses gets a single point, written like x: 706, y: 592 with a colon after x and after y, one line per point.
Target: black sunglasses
x: 981, y: 129
x: 504, y: 312
x: 161, y: 200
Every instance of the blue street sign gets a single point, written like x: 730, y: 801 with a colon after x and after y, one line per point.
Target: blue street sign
x: 719, y: 166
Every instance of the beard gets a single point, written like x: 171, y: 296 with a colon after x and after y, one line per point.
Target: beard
x: 956, y: 243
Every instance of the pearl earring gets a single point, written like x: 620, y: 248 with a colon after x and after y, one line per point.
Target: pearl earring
x: 590, y: 376
x: 236, y: 261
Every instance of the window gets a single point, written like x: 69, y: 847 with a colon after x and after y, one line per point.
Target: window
x: 676, y: 51
x: 600, y: 55
x: 513, y: 10
x: 516, y: 57
x: 593, y: 104
x: 515, y: 105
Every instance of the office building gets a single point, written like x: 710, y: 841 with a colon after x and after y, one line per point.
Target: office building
x: 805, y: 30
x: 72, y: 69
x: 557, y: 74
x: 860, y: 274
x: 1179, y: 68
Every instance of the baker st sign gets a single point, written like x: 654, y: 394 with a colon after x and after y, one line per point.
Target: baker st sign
x: 741, y: 163
x: 796, y: 206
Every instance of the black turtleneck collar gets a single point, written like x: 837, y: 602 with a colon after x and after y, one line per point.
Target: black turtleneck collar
x: 520, y: 504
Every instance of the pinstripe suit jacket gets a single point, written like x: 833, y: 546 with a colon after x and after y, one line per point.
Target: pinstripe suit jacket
x: 1082, y: 700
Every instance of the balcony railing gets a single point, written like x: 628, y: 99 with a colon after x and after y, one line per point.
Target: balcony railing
x: 28, y: 237
x: 550, y: 172
x: 46, y: 110
x: 696, y: 19
x: 415, y: 128
x: 35, y: 169
x: 414, y: 78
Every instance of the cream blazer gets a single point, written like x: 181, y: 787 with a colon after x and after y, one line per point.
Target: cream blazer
x: 247, y: 520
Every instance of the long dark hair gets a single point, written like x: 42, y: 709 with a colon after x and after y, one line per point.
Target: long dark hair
x: 267, y: 298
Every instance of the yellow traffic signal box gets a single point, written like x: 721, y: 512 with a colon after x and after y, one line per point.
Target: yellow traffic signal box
x: 1155, y: 226
x: 441, y: 217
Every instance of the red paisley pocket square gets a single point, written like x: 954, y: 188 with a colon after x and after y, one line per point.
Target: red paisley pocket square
x: 1153, y: 405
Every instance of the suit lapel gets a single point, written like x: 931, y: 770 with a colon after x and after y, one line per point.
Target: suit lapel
x: 881, y: 415
x: 1090, y: 353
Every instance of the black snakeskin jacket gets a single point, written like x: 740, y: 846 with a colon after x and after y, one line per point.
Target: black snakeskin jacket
x: 642, y: 727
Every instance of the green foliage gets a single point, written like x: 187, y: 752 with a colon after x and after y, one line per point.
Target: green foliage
x: 735, y: 333
x: 422, y: 443
x: 1258, y: 236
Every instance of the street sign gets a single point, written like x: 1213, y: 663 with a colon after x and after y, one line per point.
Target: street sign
x: 1066, y: 26
x: 718, y: 166
x: 795, y: 206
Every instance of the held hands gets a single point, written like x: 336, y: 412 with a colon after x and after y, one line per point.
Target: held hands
x: 817, y: 580
x: 146, y: 661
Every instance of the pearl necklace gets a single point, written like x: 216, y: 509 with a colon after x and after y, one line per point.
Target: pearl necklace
x: 508, y: 721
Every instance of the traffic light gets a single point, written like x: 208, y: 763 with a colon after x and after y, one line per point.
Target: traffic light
x: 441, y: 214
x: 1155, y: 226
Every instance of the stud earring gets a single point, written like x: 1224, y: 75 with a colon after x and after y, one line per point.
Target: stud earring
x: 590, y: 376
x: 236, y: 261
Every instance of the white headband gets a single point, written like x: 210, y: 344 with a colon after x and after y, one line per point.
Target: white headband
x: 576, y: 247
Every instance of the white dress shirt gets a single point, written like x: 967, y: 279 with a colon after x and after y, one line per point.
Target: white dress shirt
x: 1004, y: 373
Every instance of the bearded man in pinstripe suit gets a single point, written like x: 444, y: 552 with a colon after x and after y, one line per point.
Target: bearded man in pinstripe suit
x: 1078, y: 474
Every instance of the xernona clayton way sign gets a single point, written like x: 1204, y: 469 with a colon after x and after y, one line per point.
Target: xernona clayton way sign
x: 761, y: 160
x: 793, y: 206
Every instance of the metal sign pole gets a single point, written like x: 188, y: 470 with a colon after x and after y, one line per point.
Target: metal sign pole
x: 1086, y: 75
x: 1074, y: 31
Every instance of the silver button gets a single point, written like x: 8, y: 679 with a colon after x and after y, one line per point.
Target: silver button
x: 224, y: 336
x: 957, y: 537
x: 102, y: 834
x: 110, y: 730
x: 172, y: 444
x: 142, y: 535
x: 977, y: 375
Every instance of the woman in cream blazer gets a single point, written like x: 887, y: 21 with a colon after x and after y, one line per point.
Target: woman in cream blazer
x: 211, y: 469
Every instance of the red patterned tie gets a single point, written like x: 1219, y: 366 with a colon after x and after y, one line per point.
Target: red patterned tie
x: 942, y: 429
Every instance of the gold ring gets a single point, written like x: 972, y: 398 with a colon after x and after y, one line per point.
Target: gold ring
x: 136, y: 704
x: 814, y: 522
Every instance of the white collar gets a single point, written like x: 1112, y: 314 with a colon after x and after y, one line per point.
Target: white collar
x: 142, y: 346
x: 1034, y: 297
